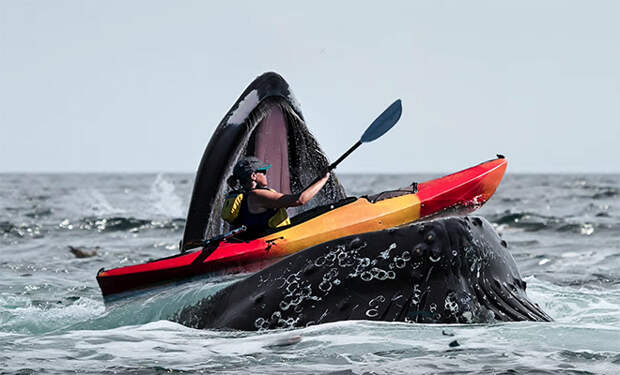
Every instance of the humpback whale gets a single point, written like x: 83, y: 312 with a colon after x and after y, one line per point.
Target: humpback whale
x: 266, y: 121
x: 448, y: 270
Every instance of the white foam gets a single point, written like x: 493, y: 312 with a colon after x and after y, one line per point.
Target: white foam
x: 29, y: 318
x: 586, y: 229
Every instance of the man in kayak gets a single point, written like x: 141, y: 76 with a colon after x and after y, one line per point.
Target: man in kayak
x: 253, y: 204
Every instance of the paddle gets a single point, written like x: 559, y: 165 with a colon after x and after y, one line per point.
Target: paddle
x: 380, y: 126
x: 214, y: 240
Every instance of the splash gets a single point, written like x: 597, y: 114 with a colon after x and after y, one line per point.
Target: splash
x: 165, y: 200
x: 96, y: 202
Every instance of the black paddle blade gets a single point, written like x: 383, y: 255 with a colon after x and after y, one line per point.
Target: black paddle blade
x: 383, y: 123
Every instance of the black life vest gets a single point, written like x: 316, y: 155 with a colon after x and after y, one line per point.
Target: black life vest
x: 236, y: 212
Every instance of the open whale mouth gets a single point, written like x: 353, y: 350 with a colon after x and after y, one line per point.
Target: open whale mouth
x: 265, y: 122
x: 277, y: 135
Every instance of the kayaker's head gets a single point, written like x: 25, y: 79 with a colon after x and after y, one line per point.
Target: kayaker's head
x: 250, y: 172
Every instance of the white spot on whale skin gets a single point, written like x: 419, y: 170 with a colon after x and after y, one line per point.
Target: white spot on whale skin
x: 450, y: 303
x: 434, y: 260
x: 244, y: 108
x: 544, y: 261
x: 376, y: 301
x: 386, y: 254
x: 467, y: 316
x: 323, y: 315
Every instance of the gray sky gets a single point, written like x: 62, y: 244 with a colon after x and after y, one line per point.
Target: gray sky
x: 131, y: 86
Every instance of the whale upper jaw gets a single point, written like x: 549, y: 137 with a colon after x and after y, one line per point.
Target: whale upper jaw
x: 453, y: 270
x: 469, y: 276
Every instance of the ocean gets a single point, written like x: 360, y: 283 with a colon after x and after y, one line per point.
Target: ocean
x: 58, y: 230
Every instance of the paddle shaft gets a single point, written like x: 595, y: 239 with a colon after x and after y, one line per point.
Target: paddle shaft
x: 333, y: 165
x: 214, y: 240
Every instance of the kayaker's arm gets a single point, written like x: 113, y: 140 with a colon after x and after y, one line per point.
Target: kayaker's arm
x: 311, y: 190
x: 273, y: 200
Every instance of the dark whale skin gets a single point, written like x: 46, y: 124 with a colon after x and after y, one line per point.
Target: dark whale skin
x: 450, y: 270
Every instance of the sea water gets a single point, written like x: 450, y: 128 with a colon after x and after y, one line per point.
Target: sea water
x: 58, y: 230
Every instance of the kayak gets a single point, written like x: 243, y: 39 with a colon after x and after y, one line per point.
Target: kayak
x: 463, y: 191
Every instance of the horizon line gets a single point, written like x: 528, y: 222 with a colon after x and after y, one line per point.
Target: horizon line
x: 340, y: 173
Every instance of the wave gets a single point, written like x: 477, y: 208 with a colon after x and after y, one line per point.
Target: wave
x: 606, y: 193
x: 39, y: 212
x: 13, y: 230
x: 533, y: 222
x: 523, y: 220
x: 21, y: 315
x: 578, y: 301
x: 156, y: 304
x: 120, y: 223
x: 22, y: 230
x: 592, y: 190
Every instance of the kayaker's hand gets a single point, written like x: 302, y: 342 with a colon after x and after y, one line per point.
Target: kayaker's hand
x: 325, y: 173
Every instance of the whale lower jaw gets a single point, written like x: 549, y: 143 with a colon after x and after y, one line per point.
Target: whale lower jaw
x: 452, y: 270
